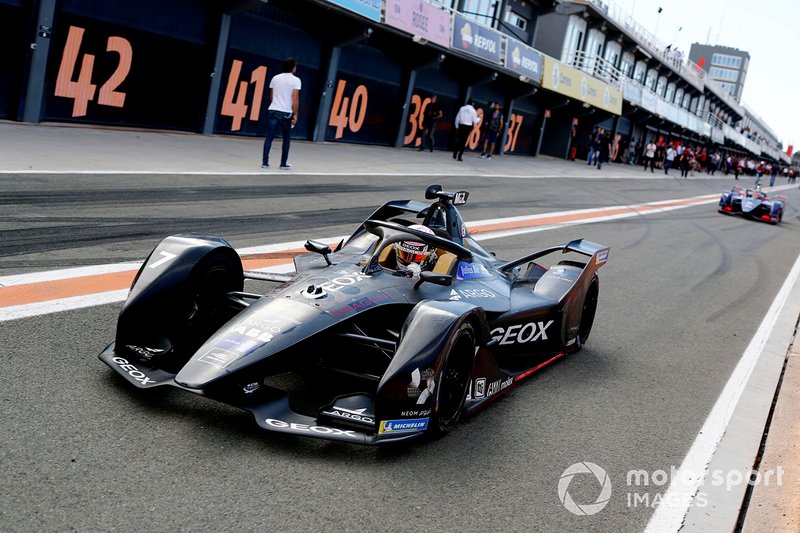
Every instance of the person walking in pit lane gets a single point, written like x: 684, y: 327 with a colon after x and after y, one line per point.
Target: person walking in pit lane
x: 650, y: 155
x: 284, y: 93
x: 431, y: 115
x: 466, y: 118
x: 603, y: 150
x: 669, y: 157
x: 493, y: 124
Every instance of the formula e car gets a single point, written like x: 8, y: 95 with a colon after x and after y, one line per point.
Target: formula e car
x: 752, y: 203
x: 351, y: 348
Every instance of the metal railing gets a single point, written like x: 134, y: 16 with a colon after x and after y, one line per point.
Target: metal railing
x: 597, y: 67
x: 690, y: 71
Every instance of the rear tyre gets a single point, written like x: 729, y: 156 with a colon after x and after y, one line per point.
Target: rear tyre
x: 451, y: 392
x: 587, y: 313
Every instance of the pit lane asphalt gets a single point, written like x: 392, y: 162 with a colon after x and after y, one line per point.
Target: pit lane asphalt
x: 680, y: 297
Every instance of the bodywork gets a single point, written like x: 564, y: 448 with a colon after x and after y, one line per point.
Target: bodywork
x: 369, y: 342
x: 753, y: 204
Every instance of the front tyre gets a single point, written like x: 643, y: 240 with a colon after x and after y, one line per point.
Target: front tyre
x: 205, y: 309
x: 451, y: 392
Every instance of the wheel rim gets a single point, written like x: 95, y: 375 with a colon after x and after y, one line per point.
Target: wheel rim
x: 455, y: 379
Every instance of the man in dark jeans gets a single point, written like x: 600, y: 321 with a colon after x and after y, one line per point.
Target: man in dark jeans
x: 429, y: 118
x: 284, y: 92
x: 466, y: 119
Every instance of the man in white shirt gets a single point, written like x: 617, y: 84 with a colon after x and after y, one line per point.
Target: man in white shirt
x: 669, y: 158
x: 466, y: 118
x: 284, y: 92
x: 650, y: 155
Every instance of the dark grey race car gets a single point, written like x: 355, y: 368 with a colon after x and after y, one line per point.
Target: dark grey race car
x: 350, y: 348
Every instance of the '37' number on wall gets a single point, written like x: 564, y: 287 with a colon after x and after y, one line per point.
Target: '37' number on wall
x: 83, y: 90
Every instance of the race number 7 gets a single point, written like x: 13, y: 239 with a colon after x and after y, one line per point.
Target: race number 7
x: 83, y: 90
x: 165, y: 256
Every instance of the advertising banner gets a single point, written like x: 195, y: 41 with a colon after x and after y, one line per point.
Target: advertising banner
x: 633, y: 93
x: 471, y: 37
x: 662, y: 109
x: 524, y: 60
x: 569, y: 81
x: 420, y: 18
x: 366, y: 8
x: 649, y: 100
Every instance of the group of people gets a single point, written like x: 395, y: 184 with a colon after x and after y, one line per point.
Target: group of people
x: 686, y: 159
x: 491, y: 125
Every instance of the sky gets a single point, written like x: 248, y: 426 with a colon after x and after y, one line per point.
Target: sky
x: 767, y: 29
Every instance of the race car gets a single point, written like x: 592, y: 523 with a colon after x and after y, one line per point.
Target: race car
x: 358, y: 346
x: 752, y: 203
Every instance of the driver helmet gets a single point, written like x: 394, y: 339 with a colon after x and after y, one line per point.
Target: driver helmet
x: 411, y: 254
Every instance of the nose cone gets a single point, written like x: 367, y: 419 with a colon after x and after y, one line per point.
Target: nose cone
x: 264, y: 329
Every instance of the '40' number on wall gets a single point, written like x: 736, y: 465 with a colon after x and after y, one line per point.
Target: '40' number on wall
x: 234, y: 104
x: 83, y: 90
x: 343, y: 115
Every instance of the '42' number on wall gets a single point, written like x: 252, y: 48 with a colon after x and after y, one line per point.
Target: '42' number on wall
x: 234, y: 104
x: 347, y: 114
x: 83, y: 90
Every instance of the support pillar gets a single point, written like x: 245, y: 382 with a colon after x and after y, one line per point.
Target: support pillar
x: 408, y: 84
x: 210, y: 121
x: 34, y: 94
x: 326, y: 98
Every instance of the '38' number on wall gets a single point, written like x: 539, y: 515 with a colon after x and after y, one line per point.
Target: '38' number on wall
x: 83, y: 90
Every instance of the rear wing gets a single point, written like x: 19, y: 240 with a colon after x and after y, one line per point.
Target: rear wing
x: 597, y: 252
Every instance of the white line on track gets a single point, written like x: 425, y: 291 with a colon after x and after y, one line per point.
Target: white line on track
x: 669, y: 516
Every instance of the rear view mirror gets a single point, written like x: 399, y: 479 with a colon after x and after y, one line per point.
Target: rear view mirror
x: 319, y: 248
x: 437, y: 279
x: 430, y: 192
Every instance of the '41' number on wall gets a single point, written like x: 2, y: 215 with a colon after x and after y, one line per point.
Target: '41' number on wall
x: 234, y: 103
x: 83, y: 90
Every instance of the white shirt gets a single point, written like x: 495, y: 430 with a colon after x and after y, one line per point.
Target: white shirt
x: 671, y: 153
x: 283, y: 86
x: 467, y: 116
x: 650, y: 151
